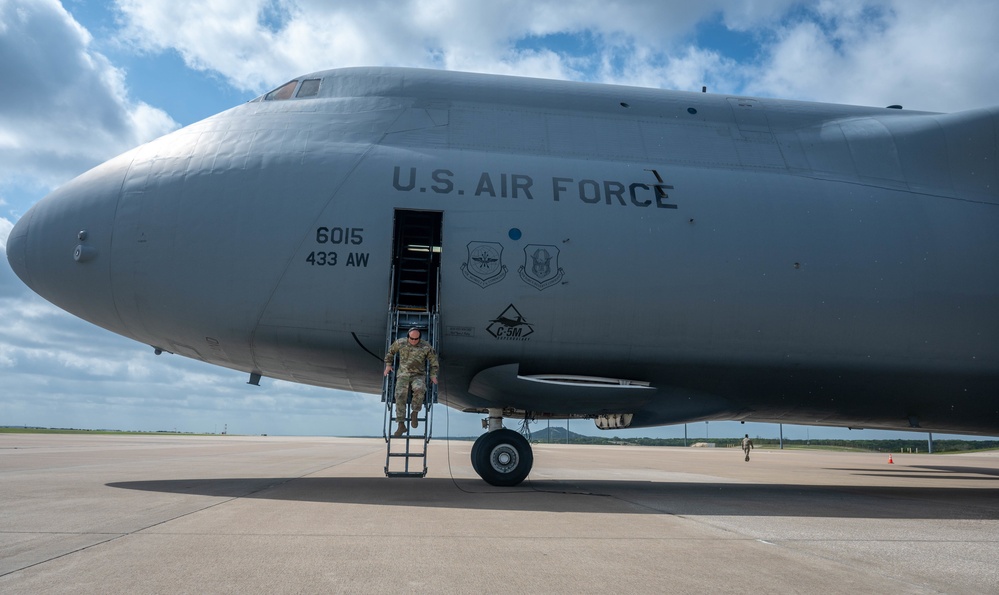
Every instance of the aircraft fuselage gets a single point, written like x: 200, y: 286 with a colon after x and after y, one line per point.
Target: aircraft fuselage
x: 740, y: 258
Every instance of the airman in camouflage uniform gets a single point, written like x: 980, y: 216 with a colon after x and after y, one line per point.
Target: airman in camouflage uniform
x: 413, y: 357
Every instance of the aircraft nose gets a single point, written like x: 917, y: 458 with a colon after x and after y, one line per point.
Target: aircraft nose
x: 61, y: 248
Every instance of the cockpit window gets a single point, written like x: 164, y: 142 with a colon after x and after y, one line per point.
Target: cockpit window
x: 285, y: 91
x: 309, y: 88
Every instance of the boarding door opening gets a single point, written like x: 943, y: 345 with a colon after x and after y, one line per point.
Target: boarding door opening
x: 416, y: 261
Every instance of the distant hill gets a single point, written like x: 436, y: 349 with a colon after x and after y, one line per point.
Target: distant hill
x: 556, y: 434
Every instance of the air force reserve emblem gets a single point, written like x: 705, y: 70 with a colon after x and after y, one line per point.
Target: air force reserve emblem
x: 541, y: 269
x: 484, y: 265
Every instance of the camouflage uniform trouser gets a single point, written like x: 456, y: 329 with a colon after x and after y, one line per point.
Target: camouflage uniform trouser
x: 402, y: 385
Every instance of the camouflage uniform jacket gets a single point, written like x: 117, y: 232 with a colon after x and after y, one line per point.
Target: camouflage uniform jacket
x: 412, y: 358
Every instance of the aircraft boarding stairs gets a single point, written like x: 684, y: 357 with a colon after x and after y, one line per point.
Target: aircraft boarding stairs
x: 406, y: 455
x: 415, y: 304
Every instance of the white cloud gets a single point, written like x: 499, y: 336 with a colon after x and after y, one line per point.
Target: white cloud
x: 928, y: 54
x: 65, y: 108
x: 5, y: 227
x: 236, y: 39
x: 60, y: 371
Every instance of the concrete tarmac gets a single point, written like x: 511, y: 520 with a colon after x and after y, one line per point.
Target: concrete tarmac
x: 230, y: 514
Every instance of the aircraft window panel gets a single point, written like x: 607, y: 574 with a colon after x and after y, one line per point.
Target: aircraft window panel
x: 309, y: 88
x: 285, y: 91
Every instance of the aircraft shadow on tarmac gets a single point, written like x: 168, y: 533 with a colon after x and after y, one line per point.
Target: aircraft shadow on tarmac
x: 620, y: 497
x: 935, y: 472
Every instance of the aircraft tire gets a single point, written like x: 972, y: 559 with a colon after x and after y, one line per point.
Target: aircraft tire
x: 502, y: 457
x: 475, y: 449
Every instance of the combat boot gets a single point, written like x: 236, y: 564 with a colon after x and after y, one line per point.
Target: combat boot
x: 400, y: 430
x: 414, y: 418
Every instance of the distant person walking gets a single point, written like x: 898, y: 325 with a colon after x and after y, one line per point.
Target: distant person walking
x: 747, y: 445
x: 413, y: 357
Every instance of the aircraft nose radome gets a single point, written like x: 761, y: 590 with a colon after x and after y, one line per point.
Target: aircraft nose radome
x: 61, y: 248
x: 16, y: 250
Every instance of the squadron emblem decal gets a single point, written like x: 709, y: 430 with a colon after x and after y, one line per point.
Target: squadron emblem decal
x: 541, y: 269
x: 484, y: 265
x: 510, y: 326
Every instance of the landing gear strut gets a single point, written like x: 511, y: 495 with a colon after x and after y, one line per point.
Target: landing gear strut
x: 502, y: 457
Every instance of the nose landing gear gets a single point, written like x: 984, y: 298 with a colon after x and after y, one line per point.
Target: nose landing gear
x: 502, y: 457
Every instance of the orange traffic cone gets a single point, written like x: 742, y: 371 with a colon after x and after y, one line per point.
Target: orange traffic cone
x: 890, y: 462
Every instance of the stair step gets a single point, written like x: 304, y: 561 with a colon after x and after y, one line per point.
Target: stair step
x: 410, y: 463
x: 405, y: 474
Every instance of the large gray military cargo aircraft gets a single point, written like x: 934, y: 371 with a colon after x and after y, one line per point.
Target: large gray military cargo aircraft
x: 633, y: 256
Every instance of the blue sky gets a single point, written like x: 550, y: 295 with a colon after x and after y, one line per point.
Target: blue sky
x: 84, y: 80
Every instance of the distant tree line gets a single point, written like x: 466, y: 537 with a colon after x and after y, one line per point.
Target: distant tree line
x: 558, y: 435
x: 892, y: 445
